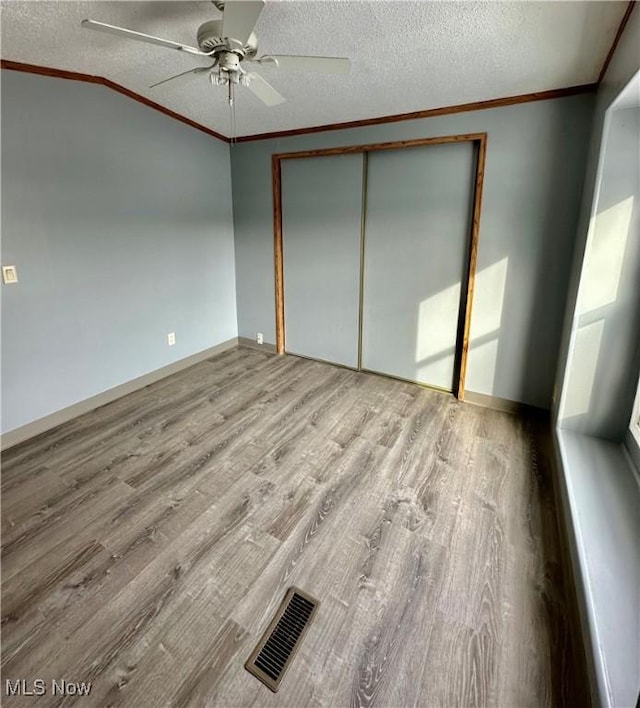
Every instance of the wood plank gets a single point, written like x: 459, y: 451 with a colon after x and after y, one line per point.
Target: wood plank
x: 62, y: 522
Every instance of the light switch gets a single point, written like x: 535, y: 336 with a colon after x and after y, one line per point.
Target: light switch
x: 9, y: 275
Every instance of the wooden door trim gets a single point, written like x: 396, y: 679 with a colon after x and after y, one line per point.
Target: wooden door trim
x: 276, y: 177
x: 472, y: 263
x: 372, y: 147
x: 363, y: 222
x: 479, y: 139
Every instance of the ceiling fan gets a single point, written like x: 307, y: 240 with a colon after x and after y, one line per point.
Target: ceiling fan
x: 230, y: 43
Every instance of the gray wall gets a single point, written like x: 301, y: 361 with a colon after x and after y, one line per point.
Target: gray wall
x: 119, y: 221
x: 533, y: 181
x: 597, y: 485
x: 624, y: 65
x: 604, y: 360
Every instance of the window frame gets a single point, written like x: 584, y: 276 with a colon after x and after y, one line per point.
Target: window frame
x: 634, y: 422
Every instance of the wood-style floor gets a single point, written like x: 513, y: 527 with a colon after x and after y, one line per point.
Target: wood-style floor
x: 146, y: 545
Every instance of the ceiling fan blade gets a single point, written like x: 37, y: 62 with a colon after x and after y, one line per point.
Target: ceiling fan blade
x: 139, y: 36
x: 239, y: 17
x: 322, y: 65
x: 264, y: 91
x: 197, y: 70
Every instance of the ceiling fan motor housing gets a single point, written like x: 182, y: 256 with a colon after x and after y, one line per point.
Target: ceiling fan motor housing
x: 210, y: 38
x: 227, y: 42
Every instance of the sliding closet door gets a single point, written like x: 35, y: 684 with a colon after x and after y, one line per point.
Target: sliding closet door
x: 418, y: 225
x: 321, y: 225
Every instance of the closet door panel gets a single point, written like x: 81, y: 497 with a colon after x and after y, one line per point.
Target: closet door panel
x: 418, y: 225
x: 321, y: 226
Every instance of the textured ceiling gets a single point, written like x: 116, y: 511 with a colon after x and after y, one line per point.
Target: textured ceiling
x: 406, y: 56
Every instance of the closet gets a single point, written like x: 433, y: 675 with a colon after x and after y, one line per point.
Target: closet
x: 377, y: 246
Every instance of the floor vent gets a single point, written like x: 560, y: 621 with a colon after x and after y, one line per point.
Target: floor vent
x: 270, y: 660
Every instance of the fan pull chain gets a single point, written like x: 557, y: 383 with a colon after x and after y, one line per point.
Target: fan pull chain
x: 232, y: 109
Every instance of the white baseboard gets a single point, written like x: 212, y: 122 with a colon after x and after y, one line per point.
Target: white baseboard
x: 252, y: 344
x: 503, y: 404
x: 30, y: 430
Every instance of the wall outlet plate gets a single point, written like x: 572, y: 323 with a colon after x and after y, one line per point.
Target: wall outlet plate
x: 259, y: 338
x: 9, y: 275
x: 171, y: 338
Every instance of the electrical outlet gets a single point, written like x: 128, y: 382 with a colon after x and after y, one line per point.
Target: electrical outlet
x: 9, y: 275
x: 259, y: 338
x: 171, y: 338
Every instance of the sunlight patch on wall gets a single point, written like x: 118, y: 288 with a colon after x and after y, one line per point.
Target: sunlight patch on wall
x: 579, y: 389
x: 486, y: 319
x: 604, y: 257
x: 436, y: 335
x: 434, y: 323
x: 488, y: 299
x: 485, y: 359
x: 437, y: 372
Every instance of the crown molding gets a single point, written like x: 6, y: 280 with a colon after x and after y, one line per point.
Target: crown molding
x: 394, y: 118
x: 429, y: 113
x: 616, y: 39
x: 90, y: 79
